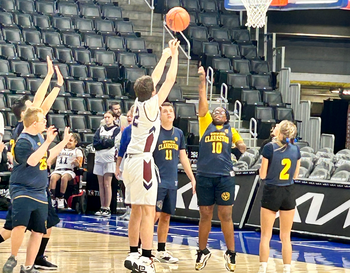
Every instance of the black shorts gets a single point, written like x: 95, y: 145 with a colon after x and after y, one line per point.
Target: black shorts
x: 277, y: 198
x: 166, y: 200
x: 215, y: 190
x: 52, y: 217
x: 29, y: 213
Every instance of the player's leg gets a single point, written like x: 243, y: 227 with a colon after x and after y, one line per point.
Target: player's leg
x: 224, y: 198
x: 107, y: 185
x: 286, y: 222
x: 38, y: 220
x: 21, y: 211
x: 102, y: 194
x: 168, y: 208
x: 5, y: 232
x: 267, y: 218
x: 53, y: 183
x: 206, y: 198
x: 133, y: 234
x: 66, y: 177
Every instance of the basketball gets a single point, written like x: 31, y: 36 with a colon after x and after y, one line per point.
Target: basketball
x: 177, y: 19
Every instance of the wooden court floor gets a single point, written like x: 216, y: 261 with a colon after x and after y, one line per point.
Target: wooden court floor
x: 80, y: 251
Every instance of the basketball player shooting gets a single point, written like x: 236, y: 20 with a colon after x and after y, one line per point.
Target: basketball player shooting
x: 139, y: 170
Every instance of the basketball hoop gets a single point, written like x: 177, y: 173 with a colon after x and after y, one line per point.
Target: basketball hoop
x: 256, y: 12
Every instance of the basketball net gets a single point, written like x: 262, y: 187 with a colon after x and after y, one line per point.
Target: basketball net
x: 256, y: 12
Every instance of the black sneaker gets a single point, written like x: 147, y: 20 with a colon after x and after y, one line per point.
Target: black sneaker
x: 31, y: 270
x: 42, y: 263
x: 202, y: 258
x: 230, y: 260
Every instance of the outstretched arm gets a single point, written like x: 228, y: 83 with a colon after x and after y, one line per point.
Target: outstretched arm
x: 159, y: 69
x: 171, y: 75
x: 50, y: 99
x: 203, y: 101
x: 41, y: 92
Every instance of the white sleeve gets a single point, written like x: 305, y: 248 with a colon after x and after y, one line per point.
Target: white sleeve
x: 79, y: 153
x: 152, y: 107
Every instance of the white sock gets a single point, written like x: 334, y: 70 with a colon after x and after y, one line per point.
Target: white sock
x: 27, y: 267
x: 263, y: 265
x: 286, y: 268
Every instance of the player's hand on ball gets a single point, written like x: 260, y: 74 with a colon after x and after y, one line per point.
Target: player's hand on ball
x: 51, y: 133
x: 59, y: 76
x: 174, y: 46
x: 50, y: 69
x: 167, y: 52
x: 67, y: 135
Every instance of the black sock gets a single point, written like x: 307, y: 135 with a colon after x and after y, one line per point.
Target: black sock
x: 61, y: 195
x: 205, y: 251
x: 1, y: 239
x: 147, y: 253
x: 231, y: 252
x: 53, y: 193
x: 161, y: 247
x: 134, y: 249
x: 139, y: 245
x: 42, y: 248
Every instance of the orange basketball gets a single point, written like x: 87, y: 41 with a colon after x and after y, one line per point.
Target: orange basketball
x: 177, y: 19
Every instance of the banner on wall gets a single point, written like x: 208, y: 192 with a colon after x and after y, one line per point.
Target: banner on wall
x: 246, y: 186
x: 322, y: 208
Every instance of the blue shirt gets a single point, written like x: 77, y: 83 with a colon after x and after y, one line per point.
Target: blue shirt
x: 214, y: 159
x: 282, y: 163
x: 166, y: 156
x: 124, y: 141
x: 25, y: 180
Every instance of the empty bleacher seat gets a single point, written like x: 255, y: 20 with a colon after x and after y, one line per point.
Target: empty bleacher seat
x: 90, y: 10
x: 26, y: 6
x: 230, y: 51
x: 94, y: 122
x: 112, y: 12
x: 95, y: 106
x: 131, y: 74
x: 266, y: 119
x: 41, y: 21
x: 115, y: 43
x: 230, y: 21
x: 248, y: 51
x: 241, y: 66
x: 208, y: 5
x: 250, y: 100
x: 124, y: 27
x: 135, y: 44
x: 95, y: 89
x: 62, y: 23
x: 114, y: 90
x: 236, y: 83
x: 32, y: 36
x: 43, y: 51
x: 8, y: 51
x: 183, y: 113
x: 208, y: 19
x: 148, y: 61
x: 12, y: 34
x: 68, y: 8
x: 261, y: 82
x: 284, y: 114
x: 77, y: 106
x: 175, y: 94
x: 273, y: 99
x: 78, y: 71
x: 191, y: 5
x: 259, y: 66
x: 23, y: 19
x: 45, y: 7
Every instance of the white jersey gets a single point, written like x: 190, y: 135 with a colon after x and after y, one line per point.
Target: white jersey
x: 145, y: 127
x: 66, y: 157
x: 106, y: 155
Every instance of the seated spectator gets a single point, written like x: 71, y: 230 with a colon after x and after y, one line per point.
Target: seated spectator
x: 68, y: 159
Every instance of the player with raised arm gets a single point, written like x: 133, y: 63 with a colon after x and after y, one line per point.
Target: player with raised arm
x: 28, y: 183
x: 215, y: 176
x: 139, y: 169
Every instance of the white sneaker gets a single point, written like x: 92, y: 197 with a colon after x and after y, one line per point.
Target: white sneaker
x: 262, y: 267
x: 106, y: 213
x: 130, y: 259
x: 165, y: 257
x: 144, y: 265
x: 126, y: 215
x: 53, y: 203
x: 60, y: 203
x: 99, y: 213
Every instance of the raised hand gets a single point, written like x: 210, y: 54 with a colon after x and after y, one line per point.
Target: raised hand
x: 59, y: 76
x: 67, y: 135
x: 201, y: 73
x: 174, y: 46
x: 50, y: 70
x: 166, y: 52
x: 51, y: 133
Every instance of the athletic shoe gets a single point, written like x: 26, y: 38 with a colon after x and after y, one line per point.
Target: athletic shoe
x: 99, y: 213
x: 165, y: 257
x: 31, y: 270
x: 230, y: 261
x: 9, y: 265
x: 53, y: 203
x: 126, y: 215
x: 61, y: 203
x: 106, y: 213
x: 42, y: 263
x: 262, y: 267
x: 130, y: 259
x: 202, y: 258
x: 143, y: 265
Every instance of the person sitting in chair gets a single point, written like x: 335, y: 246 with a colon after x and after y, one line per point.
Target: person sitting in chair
x: 68, y: 159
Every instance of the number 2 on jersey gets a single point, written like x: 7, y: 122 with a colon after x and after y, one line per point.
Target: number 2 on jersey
x: 284, y: 175
x: 136, y: 117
